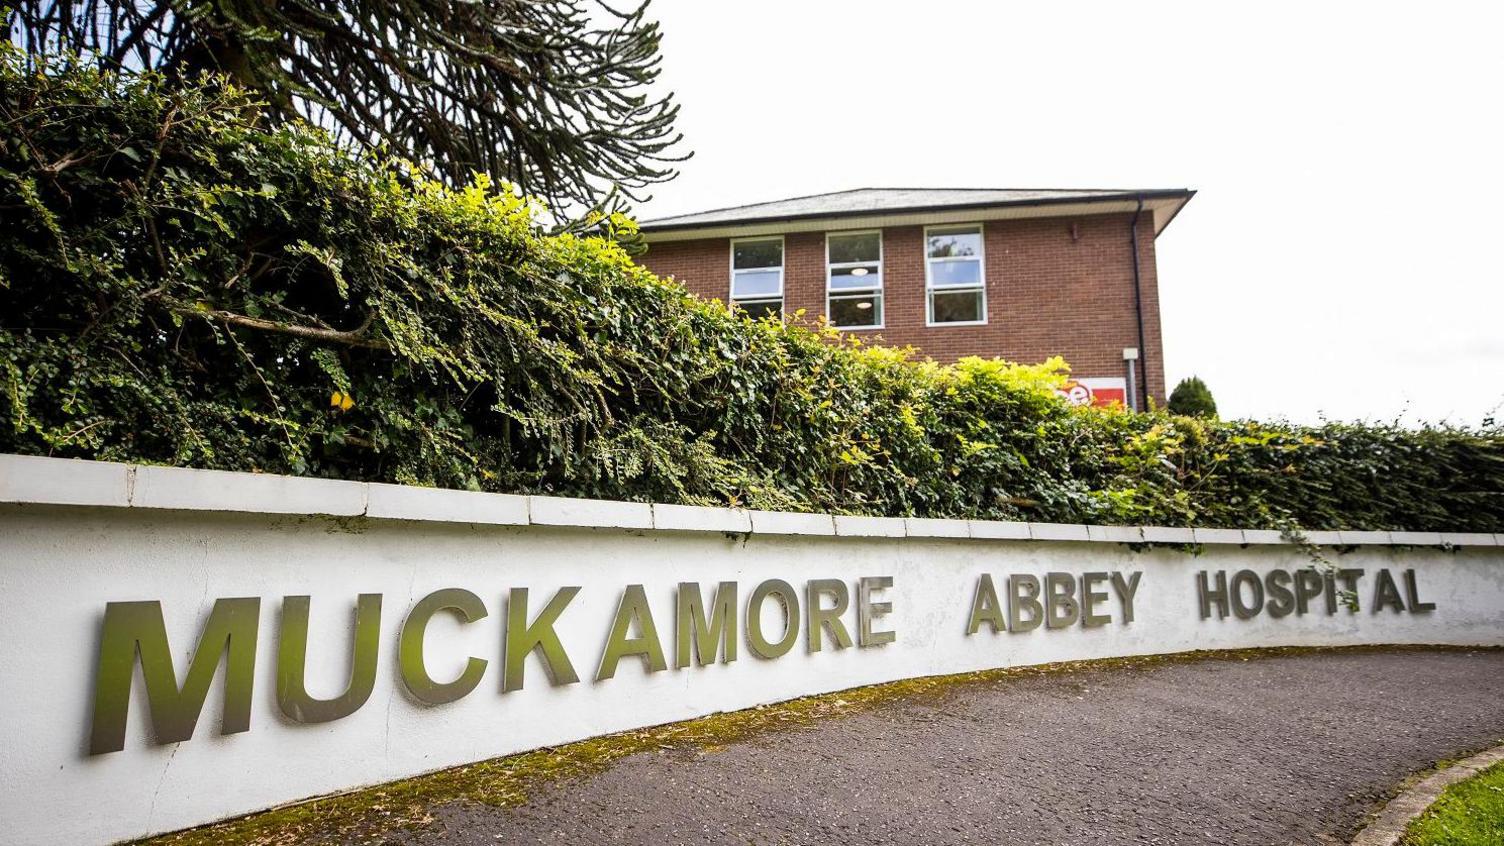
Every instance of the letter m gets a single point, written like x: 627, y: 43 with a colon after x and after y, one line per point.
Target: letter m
x: 698, y: 636
x: 133, y: 629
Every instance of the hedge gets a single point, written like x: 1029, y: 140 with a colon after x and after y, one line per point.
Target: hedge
x: 179, y: 285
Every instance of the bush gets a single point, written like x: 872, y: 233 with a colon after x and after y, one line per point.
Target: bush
x: 1192, y: 398
x: 181, y: 286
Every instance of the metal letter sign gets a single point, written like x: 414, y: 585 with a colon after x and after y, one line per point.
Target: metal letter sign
x: 134, y: 633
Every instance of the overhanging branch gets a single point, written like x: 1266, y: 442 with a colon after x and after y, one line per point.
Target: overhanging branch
x: 354, y: 337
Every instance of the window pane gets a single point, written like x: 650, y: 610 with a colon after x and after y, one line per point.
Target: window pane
x: 747, y: 254
x: 867, y: 246
x: 861, y: 276
x: 956, y: 241
x: 762, y: 308
x: 956, y: 306
x: 848, y: 312
x: 948, y: 274
x: 753, y: 283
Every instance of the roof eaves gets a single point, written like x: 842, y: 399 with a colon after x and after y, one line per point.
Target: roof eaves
x: 1189, y: 193
x: 1172, y: 193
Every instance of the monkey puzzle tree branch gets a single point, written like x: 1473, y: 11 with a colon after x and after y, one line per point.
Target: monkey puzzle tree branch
x: 553, y: 96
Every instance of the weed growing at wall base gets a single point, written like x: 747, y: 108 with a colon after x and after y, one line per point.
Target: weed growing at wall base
x: 180, y: 285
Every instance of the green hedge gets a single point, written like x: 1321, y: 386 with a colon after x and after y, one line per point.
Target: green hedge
x: 181, y: 286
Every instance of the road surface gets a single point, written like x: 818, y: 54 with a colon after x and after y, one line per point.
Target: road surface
x: 1284, y: 750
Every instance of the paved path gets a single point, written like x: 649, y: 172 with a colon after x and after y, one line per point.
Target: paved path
x: 1291, y: 750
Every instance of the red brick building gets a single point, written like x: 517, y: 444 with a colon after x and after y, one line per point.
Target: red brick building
x: 1019, y: 274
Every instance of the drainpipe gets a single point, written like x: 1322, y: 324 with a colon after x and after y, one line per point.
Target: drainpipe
x: 1138, y: 309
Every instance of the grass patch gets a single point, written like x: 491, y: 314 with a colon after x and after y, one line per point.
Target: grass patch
x: 369, y: 814
x: 1468, y: 813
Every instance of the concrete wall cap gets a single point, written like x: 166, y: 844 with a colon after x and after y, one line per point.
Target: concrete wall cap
x: 1116, y: 534
x: 589, y: 513
x: 64, y: 481
x: 700, y: 518
x: 1469, y: 539
x: 1323, y: 538
x: 1415, y: 538
x: 930, y: 527
x: 870, y: 527
x: 1364, y: 538
x: 998, y: 530
x: 185, y: 489
x: 1059, y: 531
x: 406, y: 502
x: 1218, y: 535
x: 791, y: 523
x: 1168, y: 534
x: 1264, y: 537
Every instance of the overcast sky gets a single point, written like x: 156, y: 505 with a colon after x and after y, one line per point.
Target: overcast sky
x: 1345, y: 255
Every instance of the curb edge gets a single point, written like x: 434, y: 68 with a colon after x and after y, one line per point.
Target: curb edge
x: 1388, y: 826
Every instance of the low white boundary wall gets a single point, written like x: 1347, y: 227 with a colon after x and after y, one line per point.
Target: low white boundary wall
x: 76, y: 536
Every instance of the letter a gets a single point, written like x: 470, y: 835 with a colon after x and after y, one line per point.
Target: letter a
x: 984, y: 608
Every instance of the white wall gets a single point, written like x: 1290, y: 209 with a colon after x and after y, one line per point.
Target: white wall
x: 127, y: 536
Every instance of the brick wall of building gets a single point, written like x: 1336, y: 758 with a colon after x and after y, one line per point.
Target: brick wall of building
x: 1055, y: 286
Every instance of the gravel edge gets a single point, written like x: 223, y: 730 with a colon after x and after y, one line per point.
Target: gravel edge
x: 1388, y: 827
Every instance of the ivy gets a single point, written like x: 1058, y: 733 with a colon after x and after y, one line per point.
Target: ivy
x: 183, y: 285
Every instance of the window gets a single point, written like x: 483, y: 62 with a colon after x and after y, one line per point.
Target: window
x: 954, y: 280
x: 757, y: 275
x: 854, y: 279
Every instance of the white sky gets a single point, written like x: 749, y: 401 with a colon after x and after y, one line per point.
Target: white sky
x: 1345, y: 255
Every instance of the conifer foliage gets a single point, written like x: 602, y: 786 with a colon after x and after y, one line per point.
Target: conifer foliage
x: 1193, y: 399
x: 551, y: 95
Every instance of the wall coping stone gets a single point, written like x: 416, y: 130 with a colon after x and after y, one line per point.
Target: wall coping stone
x: 854, y: 526
x: 35, y: 480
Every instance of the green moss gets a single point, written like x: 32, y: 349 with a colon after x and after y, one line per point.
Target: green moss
x: 1468, y: 813
x: 509, y: 781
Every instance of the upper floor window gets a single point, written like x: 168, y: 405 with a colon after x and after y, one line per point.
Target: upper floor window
x: 757, y: 275
x: 954, y: 279
x: 854, y: 279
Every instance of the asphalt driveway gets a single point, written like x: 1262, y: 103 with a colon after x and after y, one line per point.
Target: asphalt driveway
x: 1286, y: 750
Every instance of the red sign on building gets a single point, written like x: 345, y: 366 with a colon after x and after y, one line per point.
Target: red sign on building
x: 1104, y: 391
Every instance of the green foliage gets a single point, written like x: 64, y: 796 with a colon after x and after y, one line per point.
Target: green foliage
x: 554, y: 95
x: 1468, y: 813
x: 179, y: 285
x: 1192, y: 398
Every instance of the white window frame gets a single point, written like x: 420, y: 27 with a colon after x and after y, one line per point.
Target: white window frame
x: 929, y: 286
x: 877, y: 292
x: 783, y: 260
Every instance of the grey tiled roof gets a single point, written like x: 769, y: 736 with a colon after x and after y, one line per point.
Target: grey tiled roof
x: 867, y: 200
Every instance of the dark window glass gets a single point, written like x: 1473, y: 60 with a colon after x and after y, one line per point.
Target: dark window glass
x: 852, y: 312
x: 865, y: 247
x: 746, y: 255
x: 956, y: 307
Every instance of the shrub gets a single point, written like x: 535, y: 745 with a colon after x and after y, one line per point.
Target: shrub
x: 179, y: 285
x: 1192, y: 398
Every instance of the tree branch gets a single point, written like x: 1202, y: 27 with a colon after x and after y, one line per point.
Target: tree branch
x: 355, y: 337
